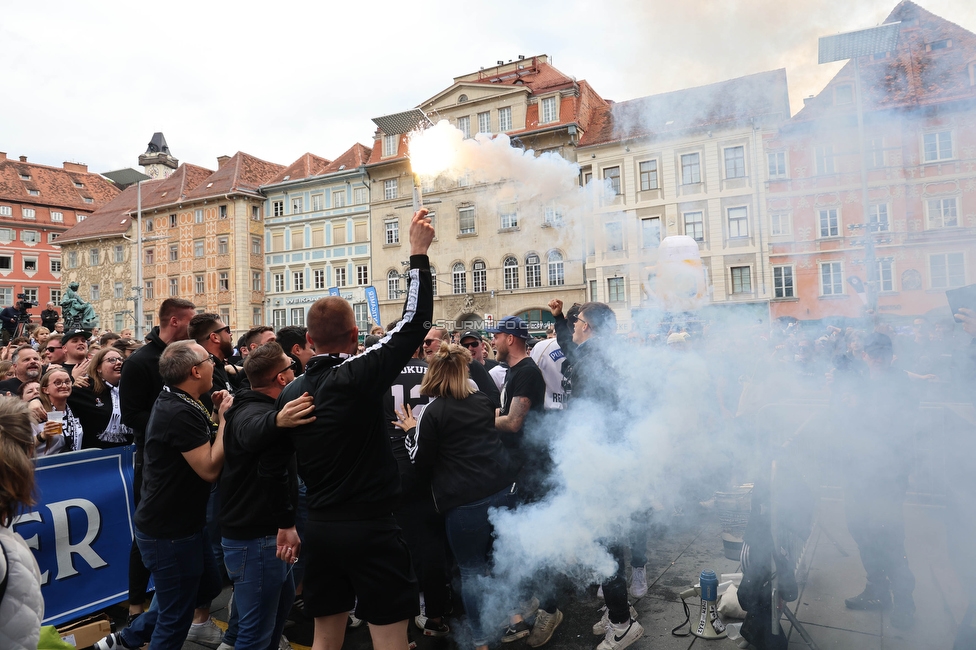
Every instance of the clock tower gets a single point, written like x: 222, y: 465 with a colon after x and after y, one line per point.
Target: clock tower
x: 157, y: 162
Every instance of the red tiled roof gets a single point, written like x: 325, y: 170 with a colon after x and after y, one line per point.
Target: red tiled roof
x: 305, y: 167
x: 352, y: 158
x: 910, y: 77
x: 725, y: 102
x: 113, y: 219
x: 56, y: 185
x: 242, y: 173
x: 538, y: 74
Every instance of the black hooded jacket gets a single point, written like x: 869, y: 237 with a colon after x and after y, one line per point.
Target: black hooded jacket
x: 140, y: 385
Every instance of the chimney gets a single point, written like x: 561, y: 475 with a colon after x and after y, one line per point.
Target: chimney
x: 3, y: 155
x: 222, y: 160
x: 75, y: 167
x: 23, y: 159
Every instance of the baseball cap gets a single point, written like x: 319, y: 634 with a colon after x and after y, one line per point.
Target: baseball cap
x: 511, y: 325
x: 470, y: 334
x: 70, y: 334
x: 877, y: 343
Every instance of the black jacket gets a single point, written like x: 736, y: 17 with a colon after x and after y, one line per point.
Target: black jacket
x: 588, y: 369
x: 254, y: 502
x: 456, y: 444
x: 49, y: 318
x: 140, y: 385
x: 344, y: 457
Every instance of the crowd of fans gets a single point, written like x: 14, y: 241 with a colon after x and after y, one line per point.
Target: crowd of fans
x: 348, y: 481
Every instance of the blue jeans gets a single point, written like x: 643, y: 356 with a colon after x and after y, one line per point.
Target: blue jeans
x: 470, y: 535
x: 263, y: 592
x: 186, y: 576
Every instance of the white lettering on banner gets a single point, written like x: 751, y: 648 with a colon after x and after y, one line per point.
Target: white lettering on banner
x: 63, y: 547
x: 33, y: 542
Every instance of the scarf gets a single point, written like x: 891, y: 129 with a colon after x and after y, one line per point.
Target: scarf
x: 115, y: 431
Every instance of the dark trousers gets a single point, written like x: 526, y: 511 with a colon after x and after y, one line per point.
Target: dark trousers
x: 876, y: 521
x: 424, y: 533
x: 615, y: 589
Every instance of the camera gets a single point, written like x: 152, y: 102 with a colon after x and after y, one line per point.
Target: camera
x: 23, y: 304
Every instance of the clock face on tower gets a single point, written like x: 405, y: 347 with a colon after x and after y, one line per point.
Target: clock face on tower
x: 153, y: 171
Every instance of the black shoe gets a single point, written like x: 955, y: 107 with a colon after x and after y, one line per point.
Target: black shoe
x: 903, y: 613
x: 516, y: 631
x: 871, y: 599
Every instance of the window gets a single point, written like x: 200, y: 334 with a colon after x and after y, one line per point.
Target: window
x: 359, y: 196
x: 30, y: 236
x: 509, y: 215
x: 615, y: 236
x: 550, y: 110
x: 318, y: 279
x: 174, y: 252
x: 119, y: 253
x: 831, y: 279
x: 278, y: 208
x: 843, y: 94
x: 256, y: 281
x: 557, y: 275
x: 390, y: 188
x: 651, y: 232
x: 948, y: 270
x: 149, y: 290
x: 937, y: 146
x: 278, y: 241
x: 829, y: 224
x: 6, y: 264
x: 464, y: 125
x: 776, y: 163
x: 174, y: 287
x: 390, y: 145
x: 5, y: 211
x: 149, y: 225
x: 30, y: 264
x: 484, y: 122
x: 51, y: 236
x: 222, y: 247
x: 31, y: 294
x: 392, y: 285
x: 7, y: 234
x: 783, y: 282
x: 57, y: 217
x: 780, y: 224
x: 150, y: 256
x: 392, y: 232
x: 93, y: 257
x: 173, y: 221
x: 874, y: 153
x: 886, y: 275
x: 738, y: 222
x: 505, y: 119
x: 298, y: 281
x: 72, y: 259
x: 298, y: 316
x: 878, y: 217
x: 255, y: 215
x: 553, y: 216
x: 511, y: 274
x: 459, y: 278
x: 825, y: 159
x: 198, y: 215
x: 939, y: 45
x: 298, y: 238
x: 361, y: 314
x: 297, y: 204
x: 648, y: 175
x: 257, y: 316
x: 362, y: 274
x: 198, y: 284
x: 741, y: 279
x: 28, y: 213
x: 479, y: 276
x: 198, y: 248
x: 96, y: 293
x: 255, y: 245
x: 339, y: 199
x: 735, y: 162
x: 6, y: 296
x: 278, y: 318
x: 34, y: 192
x: 612, y: 174
x: 80, y: 217
x: 466, y: 220
x: 615, y: 290
x: 533, y: 271
x: 222, y: 211
x: 340, y: 276
x: 695, y: 226
x: 55, y: 264
x: 464, y: 180
x: 148, y: 319
x: 87, y: 199
x: 56, y: 296
x: 279, y: 282
x: 223, y: 281
x: 942, y: 213
x: 690, y: 169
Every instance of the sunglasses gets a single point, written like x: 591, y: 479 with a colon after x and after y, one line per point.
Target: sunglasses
x: 293, y: 366
x: 53, y: 348
x: 222, y: 329
x: 432, y: 342
x: 472, y: 345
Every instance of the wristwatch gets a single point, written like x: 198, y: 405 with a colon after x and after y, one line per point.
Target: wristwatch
x: 40, y: 437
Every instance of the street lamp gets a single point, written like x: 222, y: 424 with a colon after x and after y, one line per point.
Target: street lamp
x: 853, y: 45
x: 124, y: 178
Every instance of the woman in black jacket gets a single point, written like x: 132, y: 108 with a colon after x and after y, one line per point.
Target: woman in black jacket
x: 455, y: 442
x: 95, y: 402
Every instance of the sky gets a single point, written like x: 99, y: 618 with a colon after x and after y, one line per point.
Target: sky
x: 91, y: 82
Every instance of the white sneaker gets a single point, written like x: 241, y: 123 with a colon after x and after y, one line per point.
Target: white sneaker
x: 599, y: 594
x: 225, y: 646
x: 353, y: 621
x: 620, y: 636
x: 638, y: 582
x: 283, y: 644
x: 605, y: 624
x: 207, y: 634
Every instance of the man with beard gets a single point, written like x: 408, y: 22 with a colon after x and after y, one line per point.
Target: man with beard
x: 479, y: 374
x: 210, y: 332
x: 27, y: 367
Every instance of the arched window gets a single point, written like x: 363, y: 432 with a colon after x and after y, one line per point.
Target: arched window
x: 557, y: 276
x: 462, y: 99
x: 533, y: 271
x: 511, y: 273
x: 433, y: 279
x: 479, y: 276
x: 460, y: 278
x: 392, y: 285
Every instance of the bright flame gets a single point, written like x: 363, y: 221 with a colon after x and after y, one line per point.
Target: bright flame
x: 434, y: 151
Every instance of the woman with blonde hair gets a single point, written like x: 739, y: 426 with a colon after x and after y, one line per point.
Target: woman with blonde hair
x: 21, y: 608
x: 455, y: 443
x: 60, y: 431
x: 97, y: 403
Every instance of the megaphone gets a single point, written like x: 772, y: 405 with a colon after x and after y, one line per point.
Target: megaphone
x: 709, y: 625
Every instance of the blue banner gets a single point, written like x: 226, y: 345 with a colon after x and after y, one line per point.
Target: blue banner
x: 81, y: 530
x: 374, y: 304
x: 333, y: 291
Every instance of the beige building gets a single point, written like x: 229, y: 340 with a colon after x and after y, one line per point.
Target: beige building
x: 689, y: 162
x: 493, y: 256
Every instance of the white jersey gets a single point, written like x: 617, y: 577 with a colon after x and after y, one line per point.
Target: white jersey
x: 498, y: 375
x: 549, y: 358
